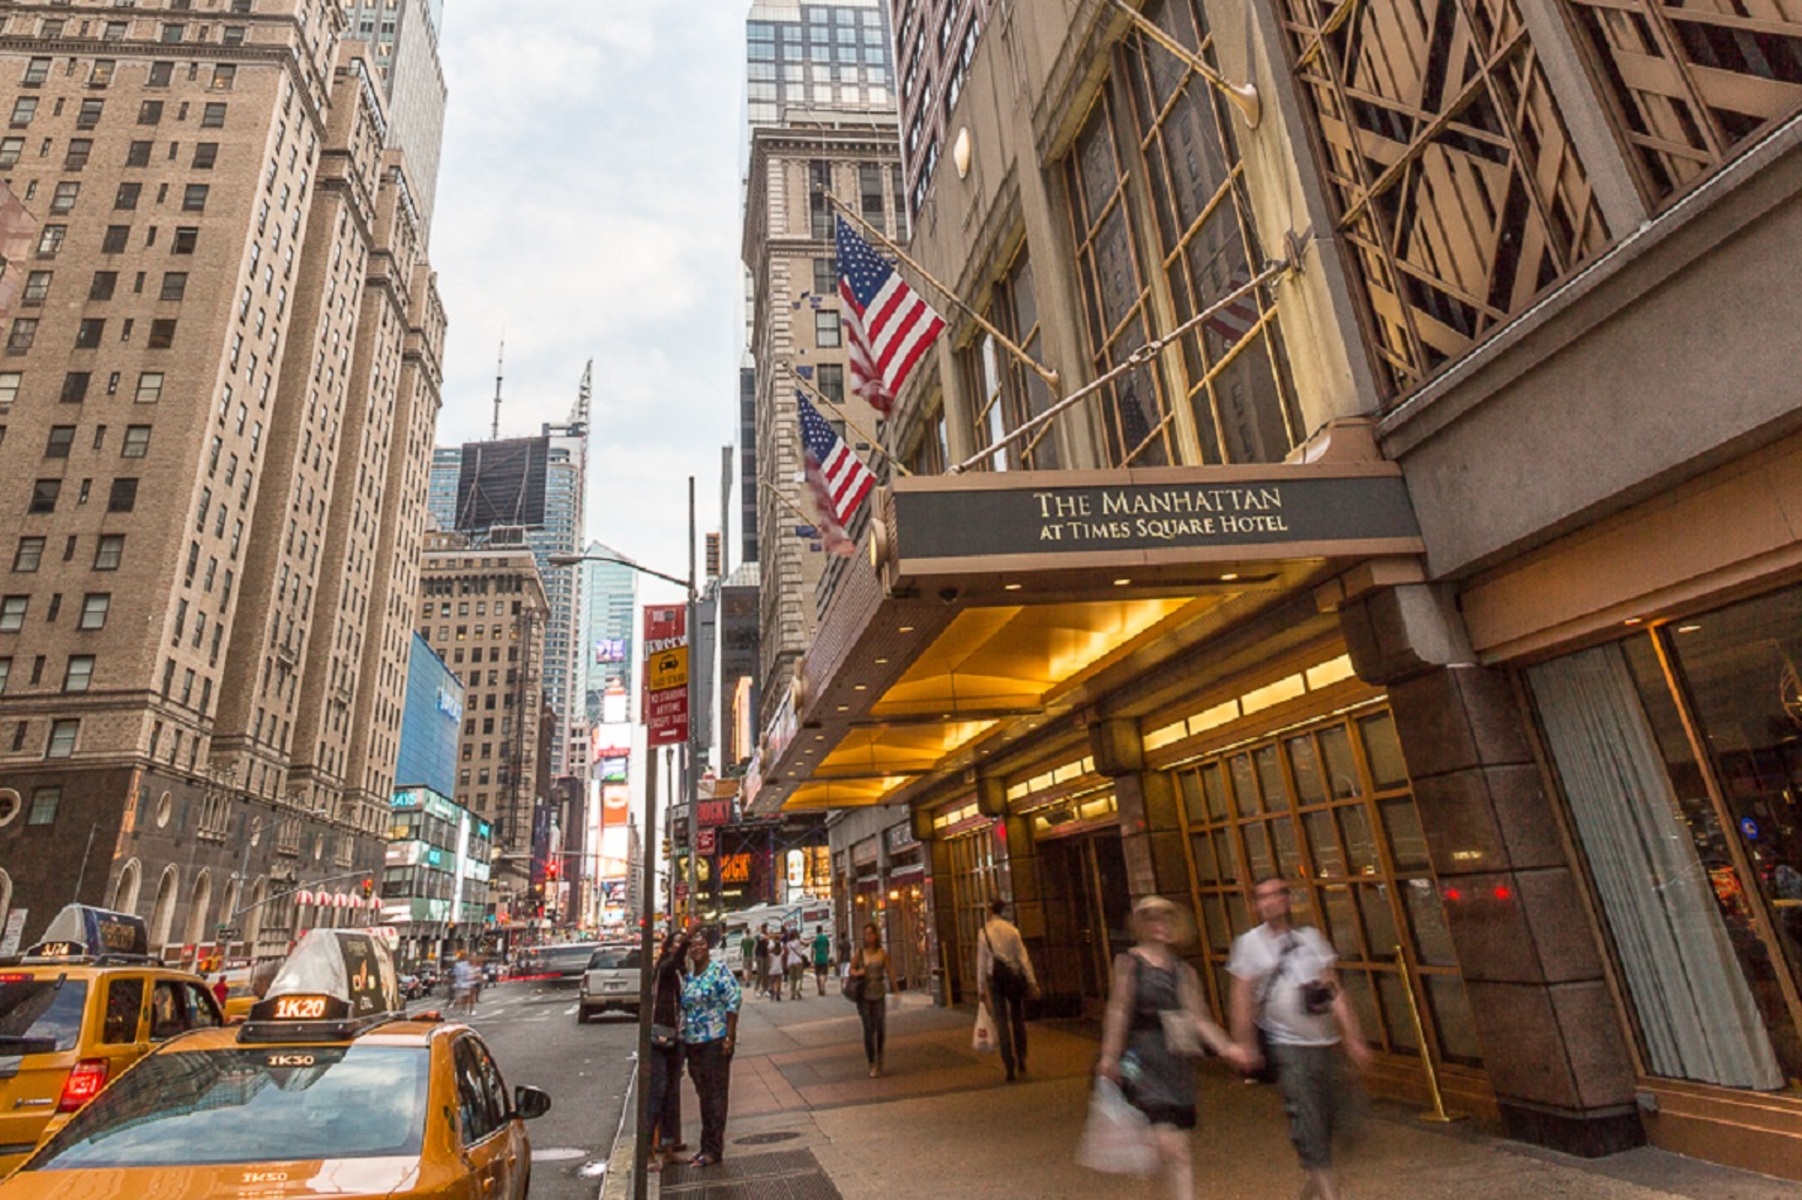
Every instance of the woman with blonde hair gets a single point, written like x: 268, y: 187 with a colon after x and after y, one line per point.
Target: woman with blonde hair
x: 1155, y: 1026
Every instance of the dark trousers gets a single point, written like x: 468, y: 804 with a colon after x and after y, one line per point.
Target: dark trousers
x: 1007, y: 993
x: 666, y: 1095
x: 874, y: 1015
x: 711, y: 1068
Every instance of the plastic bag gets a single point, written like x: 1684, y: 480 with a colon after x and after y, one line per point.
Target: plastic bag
x: 983, y: 1039
x: 1117, y: 1138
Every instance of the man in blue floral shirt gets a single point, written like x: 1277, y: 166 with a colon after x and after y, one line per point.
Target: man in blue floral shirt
x: 710, y: 1000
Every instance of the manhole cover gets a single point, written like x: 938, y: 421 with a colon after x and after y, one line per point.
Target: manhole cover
x: 764, y: 1139
x: 557, y: 1154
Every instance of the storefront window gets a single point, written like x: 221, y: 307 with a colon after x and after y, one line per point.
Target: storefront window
x: 975, y: 880
x: 1331, y: 806
x: 1692, y: 861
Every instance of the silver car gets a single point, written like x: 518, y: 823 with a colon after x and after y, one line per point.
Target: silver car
x: 612, y: 980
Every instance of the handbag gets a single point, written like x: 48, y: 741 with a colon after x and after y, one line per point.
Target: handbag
x: 663, y: 1037
x: 853, y: 985
x: 982, y: 1039
x: 1116, y: 1140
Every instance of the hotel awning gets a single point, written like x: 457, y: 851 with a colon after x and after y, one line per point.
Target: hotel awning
x: 994, y: 602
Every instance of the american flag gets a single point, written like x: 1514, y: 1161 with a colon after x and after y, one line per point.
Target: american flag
x: 1238, y: 318
x: 887, y: 325
x: 835, y: 474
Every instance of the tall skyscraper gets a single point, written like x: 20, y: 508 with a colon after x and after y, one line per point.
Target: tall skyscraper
x: 220, y: 387
x: 830, y: 55
x: 935, y: 42
x: 609, y: 628
x: 404, y: 34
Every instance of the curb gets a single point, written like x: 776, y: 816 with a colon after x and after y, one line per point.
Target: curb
x: 616, y: 1179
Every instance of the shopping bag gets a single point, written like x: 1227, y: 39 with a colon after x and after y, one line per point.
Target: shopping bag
x: 983, y: 1039
x: 1117, y: 1138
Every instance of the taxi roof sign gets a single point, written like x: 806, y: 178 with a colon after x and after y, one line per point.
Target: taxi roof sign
x: 351, y: 965
x: 83, y: 931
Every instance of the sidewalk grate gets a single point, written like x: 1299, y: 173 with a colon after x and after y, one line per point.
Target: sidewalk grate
x: 779, y: 1175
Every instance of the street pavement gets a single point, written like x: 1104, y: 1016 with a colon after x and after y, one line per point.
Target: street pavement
x: 532, y: 1030
x: 808, y: 1121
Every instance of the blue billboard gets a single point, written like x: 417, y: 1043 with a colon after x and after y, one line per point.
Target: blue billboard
x: 431, y: 723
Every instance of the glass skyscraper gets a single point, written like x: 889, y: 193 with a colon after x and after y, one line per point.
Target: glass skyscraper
x: 404, y: 35
x: 834, y: 55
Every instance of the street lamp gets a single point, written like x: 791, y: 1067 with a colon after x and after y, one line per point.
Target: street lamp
x: 648, y: 860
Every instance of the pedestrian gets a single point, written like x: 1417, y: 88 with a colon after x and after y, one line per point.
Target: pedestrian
x: 1004, y: 979
x: 220, y: 991
x: 1285, y: 984
x: 1156, y: 1023
x: 763, y: 959
x: 772, y: 965
x: 822, y: 957
x: 710, y: 1002
x: 463, y: 986
x: 794, y: 962
x: 747, y: 951
x: 871, y: 965
x: 666, y: 1049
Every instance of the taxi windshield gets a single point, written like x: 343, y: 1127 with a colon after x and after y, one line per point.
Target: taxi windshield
x: 40, y: 1015
x: 275, y: 1104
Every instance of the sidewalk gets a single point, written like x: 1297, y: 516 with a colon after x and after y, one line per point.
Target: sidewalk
x: 807, y: 1121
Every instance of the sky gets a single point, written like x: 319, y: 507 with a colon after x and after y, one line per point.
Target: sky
x: 588, y: 208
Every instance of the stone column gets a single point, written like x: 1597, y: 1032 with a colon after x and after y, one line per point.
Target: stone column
x: 1151, y: 831
x: 1552, y: 1037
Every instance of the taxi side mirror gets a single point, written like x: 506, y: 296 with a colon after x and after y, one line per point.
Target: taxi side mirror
x: 530, y: 1102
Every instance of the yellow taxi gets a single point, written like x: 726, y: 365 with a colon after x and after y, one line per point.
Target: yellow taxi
x: 326, y: 1090
x: 77, y: 1009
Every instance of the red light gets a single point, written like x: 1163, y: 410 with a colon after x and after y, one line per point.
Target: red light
x: 1504, y: 892
x: 1453, y: 895
x: 85, y: 1080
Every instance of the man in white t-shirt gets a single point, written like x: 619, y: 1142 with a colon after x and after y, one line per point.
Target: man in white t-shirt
x: 1284, y: 982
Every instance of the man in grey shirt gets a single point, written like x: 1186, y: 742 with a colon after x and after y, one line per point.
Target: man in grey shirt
x: 1284, y: 981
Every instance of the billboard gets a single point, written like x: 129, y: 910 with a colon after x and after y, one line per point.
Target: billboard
x: 612, y: 650
x: 502, y: 483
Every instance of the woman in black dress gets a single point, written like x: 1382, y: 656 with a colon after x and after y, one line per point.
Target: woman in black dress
x: 1155, y: 1027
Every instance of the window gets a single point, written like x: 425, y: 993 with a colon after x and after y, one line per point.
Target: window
x: 102, y: 74
x: 62, y: 200
x: 126, y: 198
x: 45, y: 799
x: 90, y: 332
x: 186, y: 238
x: 825, y: 277
x: 193, y: 197
x: 1460, y: 205
x: 115, y: 240
x: 79, y: 674
x: 138, y: 154
x: 212, y: 116
x: 108, y: 551
x: 10, y: 149
x: 94, y: 608
x: 162, y: 333
x: 150, y: 112
x: 9, y: 386
x: 75, y: 387
x: 35, y: 72
x: 89, y: 115
x: 224, y: 75
x: 825, y: 329
x: 80, y: 150
x: 62, y: 742
x: 61, y: 438
x: 205, y: 155
x: 830, y: 380
x: 43, y: 495
x: 37, y: 286
x: 137, y: 442
x: 51, y: 240
x: 123, y: 497
x: 150, y: 387
x: 175, y: 286
x: 28, y: 555
x: 173, y: 33
x: 124, y: 1004
x: 161, y: 73
x: 12, y: 613
x: 24, y: 108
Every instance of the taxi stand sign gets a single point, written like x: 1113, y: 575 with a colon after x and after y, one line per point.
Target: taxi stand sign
x: 82, y: 931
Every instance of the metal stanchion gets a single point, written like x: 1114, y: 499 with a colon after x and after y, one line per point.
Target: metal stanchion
x: 1439, y: 1115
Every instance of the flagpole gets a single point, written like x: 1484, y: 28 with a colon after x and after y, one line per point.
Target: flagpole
x: 1243, y: 95
x: 1048, y: 374
x: 837, y: 407
x: 1137, y: 358
x: 786, y: 502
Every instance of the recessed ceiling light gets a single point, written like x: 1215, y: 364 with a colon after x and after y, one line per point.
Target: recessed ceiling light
x: 906, y: 629
x: 1121, y: 582
x: 860, y: 687
x: 1633, y: 621
x: 844, y: 708
x: 1229, y: 577
x: 882, y: 662
x: 1689, y: 629
x: 1011, y: 587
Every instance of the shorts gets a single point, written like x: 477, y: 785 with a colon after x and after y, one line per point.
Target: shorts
x: 1177, y: 1116
x: 1313, y: 1096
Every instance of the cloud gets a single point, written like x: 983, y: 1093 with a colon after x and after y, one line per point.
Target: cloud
x: 589, y: 208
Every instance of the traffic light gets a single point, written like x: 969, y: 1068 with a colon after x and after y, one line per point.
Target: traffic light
x: 553, y: 869
x: 368, y: 886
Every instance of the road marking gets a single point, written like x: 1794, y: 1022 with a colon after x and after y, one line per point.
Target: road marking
x: 557, y: 1154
